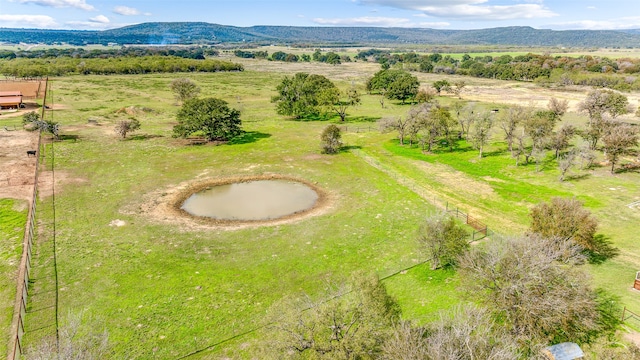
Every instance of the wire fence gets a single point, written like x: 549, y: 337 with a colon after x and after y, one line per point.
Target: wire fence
x: 20, y: 307
x: 480, y: 229
x: 630, y: 318
x: 358, y: 128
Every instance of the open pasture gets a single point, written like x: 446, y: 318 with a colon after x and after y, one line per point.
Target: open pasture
x: 165, y: 290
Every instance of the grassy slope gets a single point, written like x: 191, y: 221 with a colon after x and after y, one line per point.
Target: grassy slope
x: 14, y: 217
x: 164, y: 292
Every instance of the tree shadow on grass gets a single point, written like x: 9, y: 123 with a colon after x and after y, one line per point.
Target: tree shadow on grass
x: 358, y: 119
x: 348, y: 148
x: 143, y: 137
x: 603, y: 250
x: 248, y: 138
x: 577, y: 177
x: 629, y: 168
x: 65, y: 137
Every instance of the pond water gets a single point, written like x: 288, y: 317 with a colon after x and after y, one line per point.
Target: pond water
x: 252, y: 200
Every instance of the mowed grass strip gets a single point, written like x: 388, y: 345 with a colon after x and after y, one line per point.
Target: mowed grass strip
x: 501, y: 194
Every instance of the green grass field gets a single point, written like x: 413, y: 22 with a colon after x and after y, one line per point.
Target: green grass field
x: 14, y: 216
x: 164, y: 291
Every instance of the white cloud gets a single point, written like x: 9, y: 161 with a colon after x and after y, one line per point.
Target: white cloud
x: 27, y: 21
x: 99, y: 22
x: 126, y: 11
x: 101, y: 19
x: 80, y: 4
x: 591, y: 7
x: 632, y: 22
x: 377, y: 21
x: 469, y: 9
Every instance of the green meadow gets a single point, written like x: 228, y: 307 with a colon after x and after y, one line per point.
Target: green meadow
x: 164, y: 291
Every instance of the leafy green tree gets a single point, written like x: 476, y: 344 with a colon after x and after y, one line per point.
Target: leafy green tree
x: 394, y: 84
x: 564, y: 219
x: 331, y: 139
x: 299, y: 96
x: 441, y: 85
x: 30, y: 117
x: 353, y: 325
x: 210, y: 116
x: 184, y: 89
x: 404, y: 87
x: 444, y: 238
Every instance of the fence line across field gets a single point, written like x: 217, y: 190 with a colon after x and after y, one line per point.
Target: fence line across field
x: 24, y: 272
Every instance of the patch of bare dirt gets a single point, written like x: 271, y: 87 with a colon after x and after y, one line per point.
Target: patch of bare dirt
x: 17, y: 169
x: 634, y: 337
x: 163, y: 205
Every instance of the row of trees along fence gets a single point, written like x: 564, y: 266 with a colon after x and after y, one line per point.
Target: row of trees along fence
x: 20, y: 307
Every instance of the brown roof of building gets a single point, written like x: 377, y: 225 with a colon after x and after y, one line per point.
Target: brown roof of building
x: 10, y: 100
x: 10, y: 93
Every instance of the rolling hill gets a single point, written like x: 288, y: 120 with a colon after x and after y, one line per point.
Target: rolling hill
x: 206, y: 33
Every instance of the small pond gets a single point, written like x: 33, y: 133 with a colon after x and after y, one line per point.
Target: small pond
x: 251, y: 200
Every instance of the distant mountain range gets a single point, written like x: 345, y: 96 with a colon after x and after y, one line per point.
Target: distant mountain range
x: 206, y: 33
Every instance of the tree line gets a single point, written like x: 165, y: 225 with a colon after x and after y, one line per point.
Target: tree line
x: 546, y: 69
x: 124, y: 51
x: 318, y: 56
x: 119, y: 65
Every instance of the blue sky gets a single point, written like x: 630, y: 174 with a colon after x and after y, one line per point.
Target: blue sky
x: 440, y: 14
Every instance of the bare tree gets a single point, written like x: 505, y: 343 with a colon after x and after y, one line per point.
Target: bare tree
x: 596, y: 105
x: 586, y: 156
x: 565, y: 163
x: 443, y: 238
x: 528, y: 281
x: 595, y: 130
x: 509, y: 121
x: 339, y: 101
x: 468, y: 333
x: 426, y: 95
x: 619, y: 140
x: 564, y: 219
x: 466, y: 117
x: 561, y: 139
x: 482, y: 131
x: 457, y: 88
x: 418, y: 119
x: 184, y: 89
x: 123, y: 127
x: 398, y: 124
x: 558, y: 107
